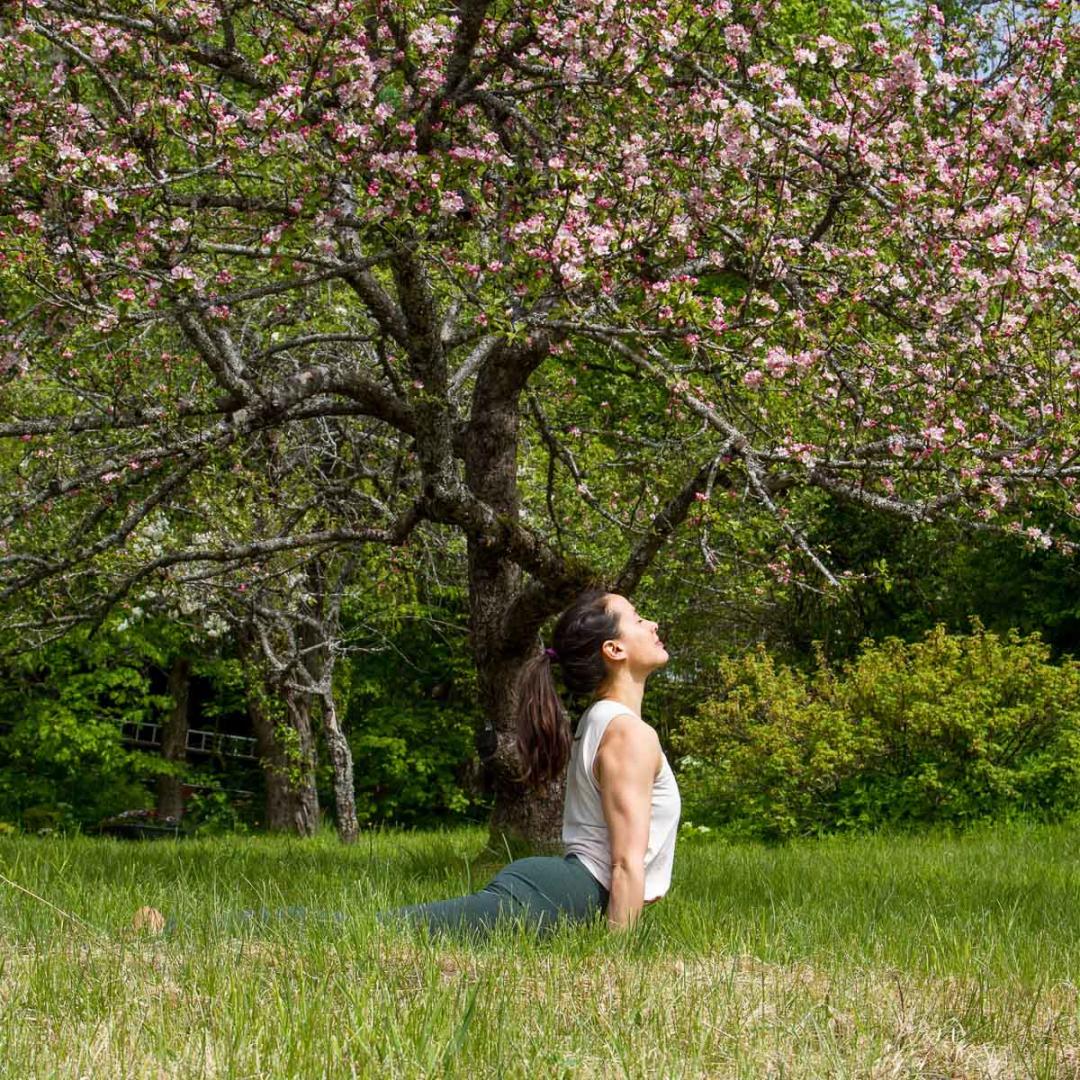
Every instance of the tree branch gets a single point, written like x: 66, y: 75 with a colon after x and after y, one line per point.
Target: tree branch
x: 663, y: 525
x: 471, y: 15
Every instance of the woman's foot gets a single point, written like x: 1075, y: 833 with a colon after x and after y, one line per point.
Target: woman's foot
x: 148, y: 920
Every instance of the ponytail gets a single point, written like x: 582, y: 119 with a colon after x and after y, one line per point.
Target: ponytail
x: 543, y: 728
x: 543, y: 731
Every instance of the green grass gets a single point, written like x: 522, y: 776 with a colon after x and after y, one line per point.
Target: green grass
x: 877, y: 957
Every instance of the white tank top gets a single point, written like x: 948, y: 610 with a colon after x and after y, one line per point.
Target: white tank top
x: 585, y: 832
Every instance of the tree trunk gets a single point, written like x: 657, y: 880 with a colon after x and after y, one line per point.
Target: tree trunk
x: 321, y: 669
x: 170, y: 801
x: 522, y: 819
x: 337, y: 746
x: 287, y: 752
x: 530, y: 823
x: 319, y: 660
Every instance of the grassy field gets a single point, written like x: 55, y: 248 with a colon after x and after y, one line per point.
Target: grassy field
x: 941, y: 957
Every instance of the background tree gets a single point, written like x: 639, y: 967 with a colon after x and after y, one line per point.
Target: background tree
x: 290, y: 637
x: 283, y: 611
x: 814, y: 266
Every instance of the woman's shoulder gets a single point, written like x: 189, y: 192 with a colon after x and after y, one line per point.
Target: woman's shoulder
x: 596, y: 719
x: 606, y: 709
x: 629, y: 744
x: 630, y: 728
x: 621, y: 723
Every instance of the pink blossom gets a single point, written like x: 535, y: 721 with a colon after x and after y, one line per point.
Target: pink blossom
x: 778, y: 361
x: 1038, y: 536
x: 737, y: 37
x: 450, y: 202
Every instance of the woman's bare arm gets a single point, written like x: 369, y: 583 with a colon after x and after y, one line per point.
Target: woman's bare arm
x: 626, y: 765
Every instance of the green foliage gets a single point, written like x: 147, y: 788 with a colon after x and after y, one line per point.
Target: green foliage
x: 412, y: 713
x: 951, y: 729
x: 228, y: 679
x: 62, y: 760
x: 895, y: 589
x: 410, y: 747
x: 211, y: 812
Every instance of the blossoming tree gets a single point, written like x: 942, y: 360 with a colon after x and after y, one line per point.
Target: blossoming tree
x: 840, y: 262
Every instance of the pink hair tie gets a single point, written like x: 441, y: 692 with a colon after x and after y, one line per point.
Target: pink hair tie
x: 551, y: 654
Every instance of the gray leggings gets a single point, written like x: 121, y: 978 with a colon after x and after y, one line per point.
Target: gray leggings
x: 538, y: 892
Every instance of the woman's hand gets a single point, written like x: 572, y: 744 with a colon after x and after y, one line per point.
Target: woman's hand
x: 627, y: 762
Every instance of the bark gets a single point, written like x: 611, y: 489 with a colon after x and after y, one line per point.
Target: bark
x: 337, y: 746
x: 170, y: 802
x: 319, y: 657
x: 320, y: 664
x: 521, y: 817
x: 292, y: 803
x: 526, y: 821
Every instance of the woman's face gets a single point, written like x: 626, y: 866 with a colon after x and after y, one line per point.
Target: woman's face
x: 638, y: 643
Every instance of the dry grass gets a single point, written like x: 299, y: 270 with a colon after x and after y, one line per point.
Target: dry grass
x: 404, y: 1008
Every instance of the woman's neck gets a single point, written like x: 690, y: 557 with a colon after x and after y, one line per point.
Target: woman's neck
x: 625, y: 689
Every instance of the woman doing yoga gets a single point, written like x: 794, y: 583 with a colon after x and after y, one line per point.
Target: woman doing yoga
x: 622, y: 804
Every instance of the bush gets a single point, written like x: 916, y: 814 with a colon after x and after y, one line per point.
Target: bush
x: 63, y: 762
x: 951, y: 729
x: 213, y: 811
x: 411, y: 720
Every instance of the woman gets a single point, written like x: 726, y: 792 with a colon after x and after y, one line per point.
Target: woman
x: 622, y: 804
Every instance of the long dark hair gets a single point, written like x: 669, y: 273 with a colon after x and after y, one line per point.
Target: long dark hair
x: 543, y: 730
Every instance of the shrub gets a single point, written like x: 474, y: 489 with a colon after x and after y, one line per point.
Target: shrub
x: 411, y: 725
x: 213, y: 811
x: 951, y: 729
x: 63, y: 763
